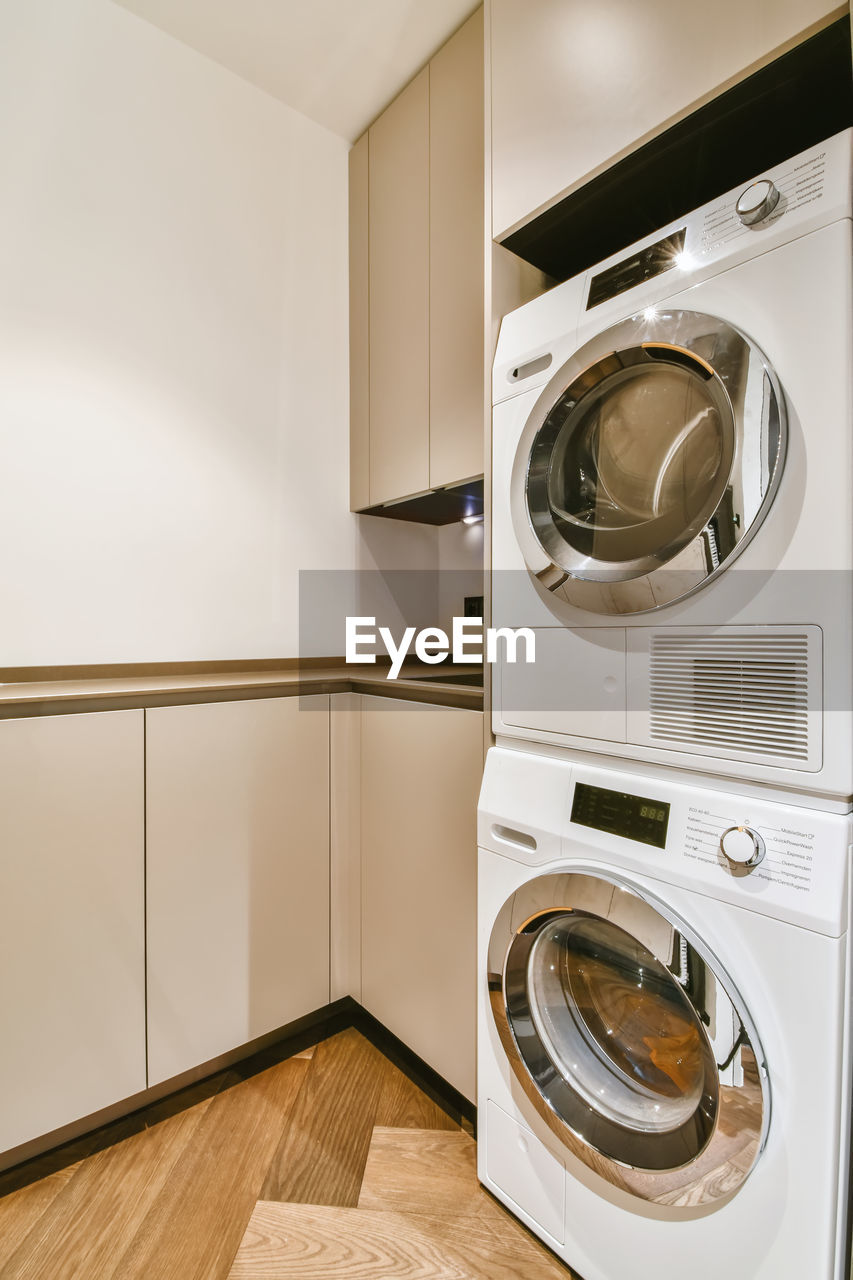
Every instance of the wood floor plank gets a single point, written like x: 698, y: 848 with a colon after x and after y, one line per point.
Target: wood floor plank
x: 194, y: 1227
x: 321, y: 1157
x: 22, y: 1209
x: 308, y: 1242
x: 99, y: 1209
x: 423, y: 1170
x: 167, y: 1193
x: 403, y: 1105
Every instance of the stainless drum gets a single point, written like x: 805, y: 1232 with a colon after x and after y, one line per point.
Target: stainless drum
x: 654, y: 453
x: 628, y: 1037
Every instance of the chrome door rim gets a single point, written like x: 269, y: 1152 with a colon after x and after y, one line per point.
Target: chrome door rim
x: 609, y: 587
x: 742, y: 1115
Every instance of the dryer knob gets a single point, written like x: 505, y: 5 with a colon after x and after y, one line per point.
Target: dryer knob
x: 757, y: 202
x: 742, y: 846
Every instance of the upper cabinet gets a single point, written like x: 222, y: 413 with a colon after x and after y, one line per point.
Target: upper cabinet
x: 416, y: 283
x: 576, y: 86
x: 399, y: 298
x: 456, y: 257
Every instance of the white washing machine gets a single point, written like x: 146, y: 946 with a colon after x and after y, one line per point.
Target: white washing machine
x: 673, y: 508
x: 664, y: 1068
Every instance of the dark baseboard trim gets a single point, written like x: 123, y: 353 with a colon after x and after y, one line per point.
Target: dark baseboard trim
x: 419, y: 1072
x: 64, y: 1147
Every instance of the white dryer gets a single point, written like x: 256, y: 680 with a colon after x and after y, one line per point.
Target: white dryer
x: 673, y: 507
x: 664, y: 1073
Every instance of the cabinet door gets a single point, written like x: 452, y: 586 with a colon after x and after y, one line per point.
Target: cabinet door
x: 421, y: 767
x: 238, y: 874
x: 359, y: 322
x: 457, y: 236
x: 576, y: 86
x: 399, y: 295
x: 72, y: 949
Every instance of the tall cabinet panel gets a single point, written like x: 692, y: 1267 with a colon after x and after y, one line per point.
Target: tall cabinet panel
x: 417, y: 236
x: 398, y: 205
x: 359, y: 327
x: 72, y: 950
x: 421, y: 767
x: 238, y: 874
x: 456, y: 250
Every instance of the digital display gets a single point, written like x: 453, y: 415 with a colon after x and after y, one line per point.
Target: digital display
x: 644, y: 265
x: 621, y: 814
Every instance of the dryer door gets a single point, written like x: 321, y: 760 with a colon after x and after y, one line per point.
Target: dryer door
x: 653, y: 454
x: 628, y: 1037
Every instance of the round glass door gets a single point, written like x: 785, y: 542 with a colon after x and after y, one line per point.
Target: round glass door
x: 628, y: 1038
x: 617, y: 1026
x: 613, y: 1042
x: 635, y: 469
x: 659, y: 444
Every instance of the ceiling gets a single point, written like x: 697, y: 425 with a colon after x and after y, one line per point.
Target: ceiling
x: 338, y: 61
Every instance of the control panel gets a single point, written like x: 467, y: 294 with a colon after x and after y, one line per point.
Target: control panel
x: 782, y: 860
x: 765, y: 855
x: 793, y: 186
x: 769, y: 850
x: 801, y: 194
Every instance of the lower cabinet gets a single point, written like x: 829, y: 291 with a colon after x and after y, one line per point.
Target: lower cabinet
x: 421, y: 767
x: 237, y: 800
x: 197, y: 838
x: 72, y: 946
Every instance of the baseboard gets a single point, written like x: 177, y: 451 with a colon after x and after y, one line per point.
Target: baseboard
x: 419, y: 1072
x: 63, y: 1147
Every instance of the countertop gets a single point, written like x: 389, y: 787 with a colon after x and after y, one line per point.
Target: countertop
x: 106, y: 691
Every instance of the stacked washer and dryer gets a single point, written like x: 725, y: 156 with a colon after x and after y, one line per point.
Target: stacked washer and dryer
x: 664, y: 904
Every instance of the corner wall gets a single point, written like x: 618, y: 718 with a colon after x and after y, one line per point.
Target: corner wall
x: 173, y: 350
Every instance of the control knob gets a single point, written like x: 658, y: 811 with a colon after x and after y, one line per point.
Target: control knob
x: 757, y: 202
x: 742, y: 846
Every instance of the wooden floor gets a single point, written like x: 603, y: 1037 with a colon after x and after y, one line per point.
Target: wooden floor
x: 329, y: 1164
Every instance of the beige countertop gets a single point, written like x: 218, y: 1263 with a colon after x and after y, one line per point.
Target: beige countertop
x: 107, y: 691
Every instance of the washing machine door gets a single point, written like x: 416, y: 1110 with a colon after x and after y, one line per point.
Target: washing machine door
x: 628, y: 1038
x: 648, y: 462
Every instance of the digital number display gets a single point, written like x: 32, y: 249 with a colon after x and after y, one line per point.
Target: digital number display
x: 642, y: 266
x: 621, y: 814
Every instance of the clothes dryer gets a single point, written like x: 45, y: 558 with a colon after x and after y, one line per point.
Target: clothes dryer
x: 673, y: 508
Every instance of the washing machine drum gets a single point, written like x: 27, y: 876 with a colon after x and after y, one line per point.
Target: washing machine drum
x: 628, y: 1038
x: 648, y: 462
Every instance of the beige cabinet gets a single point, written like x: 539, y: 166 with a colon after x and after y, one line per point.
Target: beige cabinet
x: 421, y: 767
x: 398, y: 222
x: 416, y: 282
x: 359, y: 323
x: 237, y: 874
x: 456, y: 257
x: 72, y: 946
x: 576, y: 86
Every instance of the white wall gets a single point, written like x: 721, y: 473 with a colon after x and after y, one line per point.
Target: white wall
x: 173, y: 349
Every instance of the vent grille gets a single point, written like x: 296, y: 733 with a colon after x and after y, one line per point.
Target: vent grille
x: 746, y: 695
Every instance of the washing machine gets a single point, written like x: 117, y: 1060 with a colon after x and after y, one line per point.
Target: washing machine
x: 673, y: 508
x: 664, y: 987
